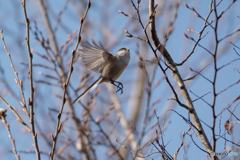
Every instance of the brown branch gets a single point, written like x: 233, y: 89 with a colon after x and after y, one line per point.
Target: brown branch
x: 66, y: 84
x: 178, y: 78
x: 31, y: 99
x: 154, y: 51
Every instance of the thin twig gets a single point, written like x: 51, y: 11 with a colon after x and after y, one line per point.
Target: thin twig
x: 19, y: 82
x: 3, y: 117
x: 31, y: 99
x: 19, y: 119
x: 201, y: 97
x: 196, y: 74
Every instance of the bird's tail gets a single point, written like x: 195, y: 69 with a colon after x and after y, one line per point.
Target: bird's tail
x: 89, y: 89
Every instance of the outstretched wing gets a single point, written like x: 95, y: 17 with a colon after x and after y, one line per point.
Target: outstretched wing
x: 94, y: 56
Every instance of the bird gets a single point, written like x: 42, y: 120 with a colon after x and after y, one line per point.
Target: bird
x: 96, y: 58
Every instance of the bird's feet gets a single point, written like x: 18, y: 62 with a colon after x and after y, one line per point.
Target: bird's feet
x: 119, y: 86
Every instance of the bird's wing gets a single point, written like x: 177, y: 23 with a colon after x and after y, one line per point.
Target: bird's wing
x: 94, y: 56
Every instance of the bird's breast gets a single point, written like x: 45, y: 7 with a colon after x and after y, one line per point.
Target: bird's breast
x: 113, y: 70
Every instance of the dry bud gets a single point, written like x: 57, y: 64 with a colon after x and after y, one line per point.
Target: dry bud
x: 196, y: 14
x: 29, y: 101
x: 236, y: 99
x: 186, y: 5
x: 73, y: 52
x: 154, y: 110
x: 170, y: 29
x: 150, y: 16
x: 128, y: 35
x: 97, y: 91
x: 60, y: 127
x: 119, y: 118
x: 154, y: 13
x: 69, y: 37
x: 24, y: 110
x: 175, y: 156
x: 112, y: 106
x: 183, y: 134
x: 111, y: 153
x: 62, y: 45
x: 85, y: 113
x: 16, y: 81
x: 57, y: 95
x: 51, y: 135
x: 98, y: 119
x: 19, y: 120
x: 21, y: 83
x: 21, y: 103
x: 221, y: 14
